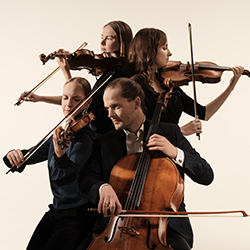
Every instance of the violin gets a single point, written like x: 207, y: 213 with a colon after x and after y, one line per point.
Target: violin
x: 73, y: 127
x: 46, y: 78
x: 78, y: 60
x: 205, y: 72
x: 85, y: 59
x: 73, y: 112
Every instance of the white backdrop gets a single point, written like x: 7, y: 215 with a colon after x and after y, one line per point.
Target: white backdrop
x: 220, y: 35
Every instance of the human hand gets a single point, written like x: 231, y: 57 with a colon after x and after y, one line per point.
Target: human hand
x: 62, y: 60
x: 161, y: 143
x: 29, y: 98
x: 109, y: 201
x: 238, y: 70
x: 192, y: 127
x: 15, y: 158
x: 56, y: 137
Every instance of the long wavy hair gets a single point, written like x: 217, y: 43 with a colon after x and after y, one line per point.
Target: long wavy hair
x: 142, y: 53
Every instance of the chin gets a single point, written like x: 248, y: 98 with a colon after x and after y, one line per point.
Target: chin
x: 118, y: 126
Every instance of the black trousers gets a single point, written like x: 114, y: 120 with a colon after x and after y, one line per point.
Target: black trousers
x: 62, y: 229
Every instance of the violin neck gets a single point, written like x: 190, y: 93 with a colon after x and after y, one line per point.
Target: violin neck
x: 221, y: 68
x: 215, y: 67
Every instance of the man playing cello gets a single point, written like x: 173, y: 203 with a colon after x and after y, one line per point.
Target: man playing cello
x: 124, y: 100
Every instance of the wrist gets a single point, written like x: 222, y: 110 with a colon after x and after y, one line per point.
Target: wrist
x: 105, y: 184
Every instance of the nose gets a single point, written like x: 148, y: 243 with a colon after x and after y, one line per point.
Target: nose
x: 69, y: 102
x: 103, y: 41
x: 169, y: 52
x: 110, y: 113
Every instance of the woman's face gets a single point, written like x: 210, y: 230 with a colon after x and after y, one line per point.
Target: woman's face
x: 72, y: 95
x: 109, y: 40
x: 162, y: 57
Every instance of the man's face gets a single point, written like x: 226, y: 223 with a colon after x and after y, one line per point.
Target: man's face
x: 120, y: 110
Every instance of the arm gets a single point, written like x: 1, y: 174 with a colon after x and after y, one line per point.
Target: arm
x: 194, y: 165
x: 63, y: 64
x: 213, y: 106
x: 89, y: 180
x: 36, y: 98
x: 192, y: 127
x: 15, y: 157
x: 65, y: 165
x: 92, y: 184
x: 195, y: 126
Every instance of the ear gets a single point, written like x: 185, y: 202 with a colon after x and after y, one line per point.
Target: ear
x: 88, y: 103
x: 137, y: 101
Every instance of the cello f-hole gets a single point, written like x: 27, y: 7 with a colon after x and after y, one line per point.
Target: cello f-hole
x: 147, y: 223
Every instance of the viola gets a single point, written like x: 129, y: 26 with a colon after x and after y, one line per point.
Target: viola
x: 73, y: 112
x: 85, y: 59
x: 73, y: 127
x: 205, y: 72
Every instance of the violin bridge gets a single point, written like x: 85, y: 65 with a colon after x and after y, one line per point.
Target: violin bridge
x: 128, y: 230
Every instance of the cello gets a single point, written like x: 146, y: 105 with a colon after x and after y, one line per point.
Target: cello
x: 138, y: 180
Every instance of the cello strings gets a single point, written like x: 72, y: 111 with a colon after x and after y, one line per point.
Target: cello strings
x: 142, y: 168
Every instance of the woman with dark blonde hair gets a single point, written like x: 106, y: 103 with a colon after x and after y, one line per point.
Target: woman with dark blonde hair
x: 149, y: 53
x: 116, y: 37
x: 66, y: 222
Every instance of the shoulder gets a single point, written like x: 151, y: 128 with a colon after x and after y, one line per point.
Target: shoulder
x: 113, y: 135
x: 168, y: 127
x: 85, y: 133
x: 117, y: 70
x: 164, y: 126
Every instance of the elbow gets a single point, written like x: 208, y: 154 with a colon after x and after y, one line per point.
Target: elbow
x: 208, y: 177
x: 207, y: 117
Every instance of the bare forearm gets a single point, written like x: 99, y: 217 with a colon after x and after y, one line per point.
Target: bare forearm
x: 51, y: 99
x: 213, y: 106
x: 66, y: 74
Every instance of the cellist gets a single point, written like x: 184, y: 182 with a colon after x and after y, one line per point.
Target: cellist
x: 124, y: 100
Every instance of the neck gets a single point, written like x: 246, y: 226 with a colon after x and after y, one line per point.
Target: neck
x: 155, y: 84
x: 137, y: 123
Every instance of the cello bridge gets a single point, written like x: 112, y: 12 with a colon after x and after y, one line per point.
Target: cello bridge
x: 128, y: 230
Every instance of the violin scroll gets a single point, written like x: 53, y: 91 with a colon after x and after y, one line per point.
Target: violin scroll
x: 73, y: 127
x: 51, y: 56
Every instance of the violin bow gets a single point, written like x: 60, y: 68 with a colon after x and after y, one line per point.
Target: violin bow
x: 192, y: 67
x: 71, y: 114
x: 139, y: 213
x: 46, y: 78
